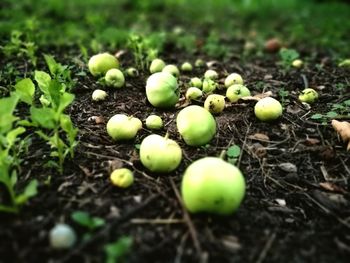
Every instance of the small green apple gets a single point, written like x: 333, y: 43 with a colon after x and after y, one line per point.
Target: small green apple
x: 268, y: 109
x: 196, y: 82
x: 186, y: 66
x: 123, y: 127
x: 199, y: 63
x: 211, y: 74
x: 99, y: 64
x: 157, y: 65
x: 233, y: 78
x: 115, y: 78
x: 160, y: 154
x: 122, y: 177
x: 62, y: 236
x: 209, y: 85
x: 162, y: 90
x: 131, y: 72
x: 212, y: 185
x: 172, y: 69
x: 237, y: 91
x: 215, y: 103
x: 308, y: 96
x: 154, y: 122
x: 99, y: 94
x: 196, y: 125
x: 297, y: 63
x: 193, y: 93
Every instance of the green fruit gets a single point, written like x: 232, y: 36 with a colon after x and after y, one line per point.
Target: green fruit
x: 99, y: 64
x: 211, y: 74
x: 115, y: 78
x: 157, y: 65
x: 199, y: 63
x: 237, y: 91
x: 196, y: 125
x: 172, y: 69
x: 214, y: 103
x: 196, y: 82
x: 62, y: 236
x: 131, y: 72
x: 122, y: 177
x: 308, y: 96
x: 209, y: 85
x: 162, y: 90
x: 193, y: 93
x: 212, y: 185
x: 154, y: 122
x: 232, y: 79
x: 160, y: 154
x: 268, y: 109
x: 297, y: 63
x: 123, y: 127
x: 99, y: 94
x: 186, y: 66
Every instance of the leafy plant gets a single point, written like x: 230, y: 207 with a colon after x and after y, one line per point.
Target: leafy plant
x: 338, y: 110
x: 283, y: 95
x: 86, y: 220
x: 116, y: 251
x: 232, y: 153
x: 288, y: 56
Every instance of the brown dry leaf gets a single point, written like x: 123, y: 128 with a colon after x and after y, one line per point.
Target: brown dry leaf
x: 332, y: 187
x: 97, y: 119
x: 258, y: 96
x: 258, y: 150
x: 259, y: 137
x: 311, y: 141
x: 343, y: 129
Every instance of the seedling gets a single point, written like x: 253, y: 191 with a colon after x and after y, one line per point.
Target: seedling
x: 99, y: 95
x: 154, y: 122
x: 172, y: 69
x: 84, y: 219
x: 268, y: 109
x: 160, y: 154
x: 196, y: 125
x: 193, y: 93
x: 308, y: 96
x: 162, y: 90
x: 115, y: 78
x: 288, y: 56
x: 204, y: 189
x: 122, y: 177
x: 99, y: 64
x: 214, y: 103
x: 157, y: 65
x: 62, y: 236
x: 122, y: 127
x: 211, y: 74
x: 186, y: 66
x: 196, y: 82
x: 232, y: 153
x: 233, y: 78
x: 116, y: 252
x: 237, y: 91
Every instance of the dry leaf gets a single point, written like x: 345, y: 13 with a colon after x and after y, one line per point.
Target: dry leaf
x: 332, y: 187
x: 258, y: 96
x: 343, y: 129
x: 259, y: 137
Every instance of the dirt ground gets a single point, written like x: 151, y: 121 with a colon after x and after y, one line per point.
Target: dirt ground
x: 296, y: 207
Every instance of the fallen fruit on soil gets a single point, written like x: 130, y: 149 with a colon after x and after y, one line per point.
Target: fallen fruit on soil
x: 122, y: 177
x: 199, y: 63
x: 186, y: 66
x: 212, y: 185
x: 99, y: 64
x: 154, y: 122
x: 273, y: 45
x: 211, y: 74
x: 162, y: 90
x: 297, y: 63
x: 99, y: 94
x: 160, y: 154
x: 62, y: 236
x: 237, y: 91
x: 131, y: 72
x: 233, y: 78
x: 196, y: 82
x: 123, y: 127
x: 172, y: 69
x: 268, y: 109
x: 193, y: 93
x: 115, y: 78
x: 196, y: 125
x: 209, y: 85
x: 215, y: 103
x: 157, y: 65
x: 308, y: 96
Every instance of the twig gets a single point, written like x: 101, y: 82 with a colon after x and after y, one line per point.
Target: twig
x: 243, y: 145
x: 157, y: 221
x: 188, y: 221
x: 266, y: 248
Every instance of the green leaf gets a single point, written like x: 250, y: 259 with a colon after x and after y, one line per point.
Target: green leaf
x: 44, y: 117
x: 86, y: 220
x: 317, y: 116
x: 29, y: 191
x: 331, y: 114
x: 52, y: 64
x: 233, y: 151
x: 7, y: 106
x: 115, y: 252
x: 25, y: 89
x: 43, y: 79
x: 12, y: 136
x: 65, y: 100
x: 55, y: 92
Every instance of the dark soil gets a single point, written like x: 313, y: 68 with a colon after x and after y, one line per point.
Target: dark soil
x: 286, y: 216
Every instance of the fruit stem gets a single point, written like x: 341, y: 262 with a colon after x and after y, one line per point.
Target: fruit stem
x: 222, y: 154
x: 166, y: 135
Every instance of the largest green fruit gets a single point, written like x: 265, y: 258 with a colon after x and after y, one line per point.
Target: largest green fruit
x: 196, y: 125
x: 162, y: 90
x: 99, y: 64
x: 212, y: 185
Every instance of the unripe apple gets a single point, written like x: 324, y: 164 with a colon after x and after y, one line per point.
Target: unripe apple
x: 297, y: 63
x: 215, y: 103
x: 268, y: 109
x: 237, y: 91
x: 160, y: 154
x: 154, y: 122
x: 172, y: 69
x: 131, y: 72
x: 196, y: 125
x: 211, y: 74
x: 123, y: 127
x: 233, y: 78
x: 157, y: 65
x: 209, y: 85
x: 308, y: 96
x: 122, y: 177
x: 99, y: 64
x: 99, y: 94
x: 62, y: 236
x: 196, y: 82
x: 186, y: 66
x: 199, y: 63
x: 193, y: 93
x: 162, y: 90
x: 212, y: 185
x: 115, y: 78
